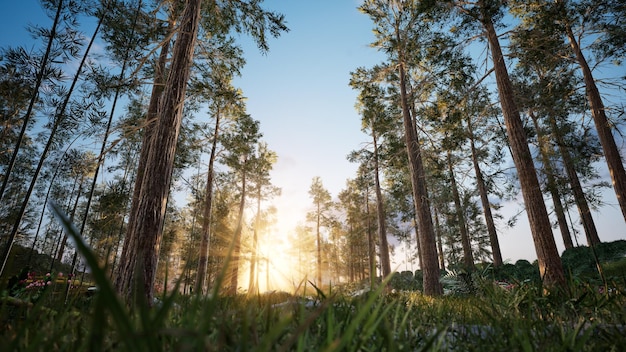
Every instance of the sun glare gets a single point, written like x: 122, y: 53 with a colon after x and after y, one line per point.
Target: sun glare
x: 279, y: 266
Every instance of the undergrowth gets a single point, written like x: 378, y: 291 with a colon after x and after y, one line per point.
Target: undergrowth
x: 487, y: 317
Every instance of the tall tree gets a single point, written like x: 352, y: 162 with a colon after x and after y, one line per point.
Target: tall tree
x: 484, y: 197
x: 598, y: 111
x: 240, y: 146
x: 142, y: 259
x: 59, y: 119
x: 54, y: 35
x: 396, y: 34
x: 322, y: 203
x: 214, y: 85
x: 549, y: 94
x: 376, y: 118
x: 466, y: 244
x: 262, y: 164
x: 550, y: 266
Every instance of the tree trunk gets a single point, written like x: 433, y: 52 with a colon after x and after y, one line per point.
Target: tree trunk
x: 234, y: 261
x: 319, y: 248
x: 552, y: 186
x: 484, y: 199
x: 442, y: 262
x: 252, y: 287
x: 124, y: 268
x: 371, y: 245
x: 61, y: 251
x: 428, y: 246
x: 382, y: 227
x: 579, y: 196
x: 468, y: 258
x: 60, y: 115
x: 550, y: 266
x: 603, y: 126
x: 29, y: 111
x: 206, y: 220
x: 142, y: 257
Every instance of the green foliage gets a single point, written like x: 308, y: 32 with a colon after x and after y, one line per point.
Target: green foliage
x: 406, y: 281
x: 580, y: 262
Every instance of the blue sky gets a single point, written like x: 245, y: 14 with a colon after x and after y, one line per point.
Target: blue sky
x: 299, y: 91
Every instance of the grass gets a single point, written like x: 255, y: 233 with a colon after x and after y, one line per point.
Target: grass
x: 522, y: 319
x: 490, y: 318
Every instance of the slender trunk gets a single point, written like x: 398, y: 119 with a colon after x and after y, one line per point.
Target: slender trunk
x: 579, y: 196
x: 468, y: 258
x: 45, y: 203
x: 319, y: 247
x: 603, y: 126
x: 61, y: 251
x: 252, y: 288
x: 552, y: 185
x: 417, y: 241
x: 234, y: 263
x: 120, y: 232
x: 142, y: 258
x: 107, y: 131
x: 428, y: 245
x: 550, y: 266
x: 31, y: 105
x: 371, y: 245
x: 58, y: 118
x: 206, y: 220
x: 442, y: 261
x: 484, y: 199
x: 382, y: 227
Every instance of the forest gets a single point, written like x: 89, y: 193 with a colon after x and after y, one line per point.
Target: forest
x: 137, y: 204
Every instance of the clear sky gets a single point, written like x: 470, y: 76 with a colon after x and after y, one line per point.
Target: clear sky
x: 299, y: 91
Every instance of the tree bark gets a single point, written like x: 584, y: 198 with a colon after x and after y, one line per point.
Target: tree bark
x: 382, y: 227
x: 253, y: 287
x: 426, y: 234
x: 484, y: 199
x: 550, y: 266
x: 371, y: 245
x: 142, y: 257
x: 603, y: 126
x: 579, y: 196
x: 442, y: 262
x: 552, y: 186
x: 206, y: 220
x: 468, y: 258
x: 125, y: 269
x: 319, y: 247
x: 234, y: 261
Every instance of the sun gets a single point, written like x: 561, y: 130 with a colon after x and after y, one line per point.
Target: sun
x: 282, y: 265
x: 279, y: 267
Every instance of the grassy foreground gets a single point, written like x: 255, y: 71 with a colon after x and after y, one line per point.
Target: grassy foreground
x: 487, y: 317
x: 491, y: 319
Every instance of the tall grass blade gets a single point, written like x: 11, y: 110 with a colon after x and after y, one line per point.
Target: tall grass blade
x: 107, y: 295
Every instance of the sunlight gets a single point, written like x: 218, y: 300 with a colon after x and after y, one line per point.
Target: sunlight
x: 278, y: 270
x: 278, y: 267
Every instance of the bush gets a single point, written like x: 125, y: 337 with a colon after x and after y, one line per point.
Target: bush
x: 580, y: 262
x: 406, y: 281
